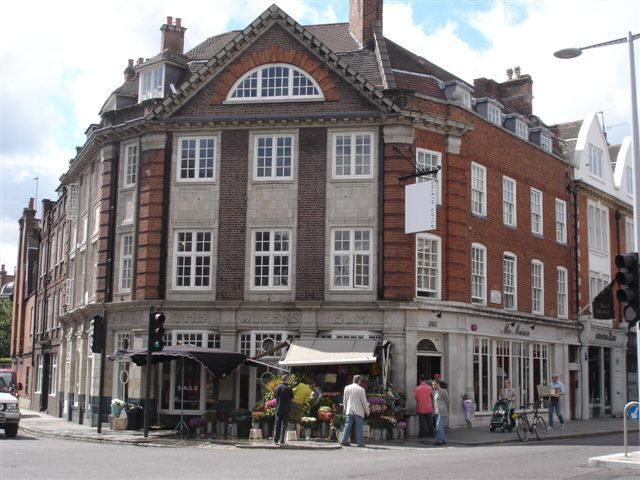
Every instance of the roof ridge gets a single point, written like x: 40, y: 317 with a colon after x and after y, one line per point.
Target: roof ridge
x: 325, y: 24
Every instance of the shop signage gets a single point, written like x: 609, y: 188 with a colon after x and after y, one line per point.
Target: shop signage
x: 609, y: 337
x: 188, y: 388
x: 270, y: 319
x: 351, y: 318
x: 516, y: 330
x: 420, y: 207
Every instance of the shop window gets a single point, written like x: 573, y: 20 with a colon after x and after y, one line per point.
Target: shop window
x: 482, y: 374
x: 121, y: 380
x: 574, y: 354
x: 541, y: 369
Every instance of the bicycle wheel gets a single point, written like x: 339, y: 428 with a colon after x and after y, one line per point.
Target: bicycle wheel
x: 522, y: 430
x: 540, y: 428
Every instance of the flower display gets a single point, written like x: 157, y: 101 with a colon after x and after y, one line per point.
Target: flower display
x: 376, y: 401
x: 270, y: 403
x: 195, y: 422
x: 117, y: 402
x: 389, y: 421
x: 377, y: 409
x: 258, y: 417
x: 308, y: 421
x: 402, y: 425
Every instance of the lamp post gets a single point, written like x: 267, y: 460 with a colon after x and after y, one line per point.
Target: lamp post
x: 635, y: 150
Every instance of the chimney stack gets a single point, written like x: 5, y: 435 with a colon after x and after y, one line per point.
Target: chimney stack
x: 364, y: 16
x: 31, y: 203
x: 518, y: 92
x: 129, y: 72
x: 172, y: 36
x: 509, y: 73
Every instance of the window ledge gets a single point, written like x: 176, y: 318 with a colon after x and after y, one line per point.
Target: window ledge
x: 244, y: 101
x: 272, y: 181
x: 199, y: 181
x: 510, y: 227
x: 361, y: 179
x: 539, y: 236
x: 481, y: 216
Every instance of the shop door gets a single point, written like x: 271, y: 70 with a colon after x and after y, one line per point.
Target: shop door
x: 572, y: 394
x: 428, y: 365
x: 44, y: 390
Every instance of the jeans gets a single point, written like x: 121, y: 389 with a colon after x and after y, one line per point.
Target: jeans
x: 359, y: 422
x: 440, y: 436
x: 426, y: 424
x: 554, y: 404
x: 280, y: 428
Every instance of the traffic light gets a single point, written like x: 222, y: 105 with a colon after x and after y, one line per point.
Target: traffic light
x: 629, y: 291
x: 97, y: 338
x: 156, y: 331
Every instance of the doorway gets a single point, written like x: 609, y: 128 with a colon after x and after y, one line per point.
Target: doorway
x: 429, y: 358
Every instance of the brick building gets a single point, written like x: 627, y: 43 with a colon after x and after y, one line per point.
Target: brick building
x: 248, y: 188
x: 603, y: 202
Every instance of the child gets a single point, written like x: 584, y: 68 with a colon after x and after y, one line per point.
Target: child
x: 467, y: 404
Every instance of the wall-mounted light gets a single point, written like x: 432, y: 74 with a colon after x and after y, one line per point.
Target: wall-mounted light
x: 532, y: 326
x: 439, y: 314
x: 513, y: 324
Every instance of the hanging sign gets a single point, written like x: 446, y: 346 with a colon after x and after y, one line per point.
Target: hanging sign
x: 420, y: 207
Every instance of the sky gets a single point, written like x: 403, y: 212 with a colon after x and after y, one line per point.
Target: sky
x: 59, y: 65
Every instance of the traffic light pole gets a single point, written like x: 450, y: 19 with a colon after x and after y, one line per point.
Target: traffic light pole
x: 102, y: 355
x: 147, y: 387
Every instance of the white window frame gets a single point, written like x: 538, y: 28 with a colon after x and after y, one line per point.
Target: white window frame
x: 197, y: 167
x: 597, y: 282
x: 126, y: 262
x: 546, y: 143
x: 510, y: 256
x: 429, y: 159
x: 155, y: 87
x: 40, y: 372
x: 598, y: 227
x: 562, y: 292
x: 193, y: 254
x: 130, y: 171
x: 466, y: 98
x: 481, y: 192
x: 561, y: 221
x: 72, y: 201
x: 629, y: 235
x: 494, y: 114
x: 521, y: 129
x: 629, y: 179
x: 96, y: 220
x: 535, y: 193
x: 428, y: 292
x: 535, y: 287
x: 352, y: 157
x: 595, y: 161
x: 351, y: 253
x: 482, y: 299
x: 271, y: 254
x: 509, y: 202
x: 53, y: 381
x: 273, y: 176
x: 288, y: 97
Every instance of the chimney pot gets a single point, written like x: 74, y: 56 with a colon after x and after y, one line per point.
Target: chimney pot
x: 517, y: 72
x: 178, y: 22
x: 169, y: 20
x: 509, y: 73
x: 140, y: 60
x: 131, y: 62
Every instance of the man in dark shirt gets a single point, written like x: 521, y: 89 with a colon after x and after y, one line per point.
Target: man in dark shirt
x: 283, y: 395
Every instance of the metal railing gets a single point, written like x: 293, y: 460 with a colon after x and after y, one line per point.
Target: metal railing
x: 624, y: 425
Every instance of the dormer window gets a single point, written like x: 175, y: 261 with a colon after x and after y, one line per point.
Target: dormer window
x: 521, y: 129
x: 457, y: 91
x: 494, y: 115
x: 466, y: 99
x: 545, y: 143
x: 275, y: 82
x: 151, y: 83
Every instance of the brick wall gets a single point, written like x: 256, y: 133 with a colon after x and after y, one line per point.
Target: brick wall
x: 233, y: 212
x: 150, y: 224
x: 312, y: 177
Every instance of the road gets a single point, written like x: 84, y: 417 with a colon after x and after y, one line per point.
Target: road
x: 27, y: 457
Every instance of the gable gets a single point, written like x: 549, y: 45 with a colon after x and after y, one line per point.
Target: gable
x: 276, y: 46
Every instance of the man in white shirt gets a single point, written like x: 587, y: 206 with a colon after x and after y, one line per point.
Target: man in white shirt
x: 355, y: 408
x: 556, y: 389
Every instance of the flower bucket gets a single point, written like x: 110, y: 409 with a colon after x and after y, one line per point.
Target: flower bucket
x: 376, y: 434
x: 396, y: 433
x: 255, y: 425
x: 209, y: 427
x: 266, y: 430
x: 198, y: 431
x: 307, y: 433
x: 324, y: 429
x: 366, y: 430
x: 220, y: 429
x: 339, y: 435
x: 116, y: 410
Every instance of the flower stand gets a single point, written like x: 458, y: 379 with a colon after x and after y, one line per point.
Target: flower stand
x: 266, y: 430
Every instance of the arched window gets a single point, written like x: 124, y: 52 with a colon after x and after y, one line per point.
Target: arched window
x: 426, y: 345
x: 275, y: 81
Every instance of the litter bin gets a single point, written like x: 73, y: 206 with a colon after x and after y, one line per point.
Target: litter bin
x: 134, y: 418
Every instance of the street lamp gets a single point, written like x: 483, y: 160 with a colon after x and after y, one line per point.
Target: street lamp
x: 635, y: 146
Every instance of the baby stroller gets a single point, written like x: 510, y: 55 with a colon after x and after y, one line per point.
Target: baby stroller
x: 500, y: 417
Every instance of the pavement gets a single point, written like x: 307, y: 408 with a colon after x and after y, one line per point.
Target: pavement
x: 617, y: 460
x: 43, y: 425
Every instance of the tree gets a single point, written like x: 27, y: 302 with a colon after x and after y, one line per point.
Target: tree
x: 5, y: 327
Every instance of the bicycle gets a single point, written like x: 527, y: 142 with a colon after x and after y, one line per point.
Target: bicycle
x: 524, y: 427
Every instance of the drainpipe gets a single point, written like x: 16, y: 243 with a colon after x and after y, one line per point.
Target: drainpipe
x: 618, y: 217
x: 380, y: 212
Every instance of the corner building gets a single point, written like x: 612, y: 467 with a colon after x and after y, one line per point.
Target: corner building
x: 248, y: 188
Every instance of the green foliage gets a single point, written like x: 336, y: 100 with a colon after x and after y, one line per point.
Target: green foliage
x: 5, y: 326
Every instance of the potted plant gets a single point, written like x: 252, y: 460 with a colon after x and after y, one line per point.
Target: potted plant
x: 257, y: 417
x: 196, y: 422
x: 267, y: 424
x: 338, y: 424
x: 324, y: 417
x: 308, y: 423
x: 209, y: 419
x: 116, y: 407
x: 242, y: 418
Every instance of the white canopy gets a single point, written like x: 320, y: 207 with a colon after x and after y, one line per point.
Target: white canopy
x: 330, y: 351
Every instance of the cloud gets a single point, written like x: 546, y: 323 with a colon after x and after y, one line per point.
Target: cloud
x: 526, y: 35
x: 9, y: 233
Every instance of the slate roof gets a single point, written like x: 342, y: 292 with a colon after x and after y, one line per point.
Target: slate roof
x: 129, y: 88
x: 569, y: 133
x: 613, y: 152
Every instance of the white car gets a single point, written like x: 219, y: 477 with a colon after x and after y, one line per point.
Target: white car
x: 9, y: 414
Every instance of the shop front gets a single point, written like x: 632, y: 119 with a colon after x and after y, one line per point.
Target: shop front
x: 603, y: 370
